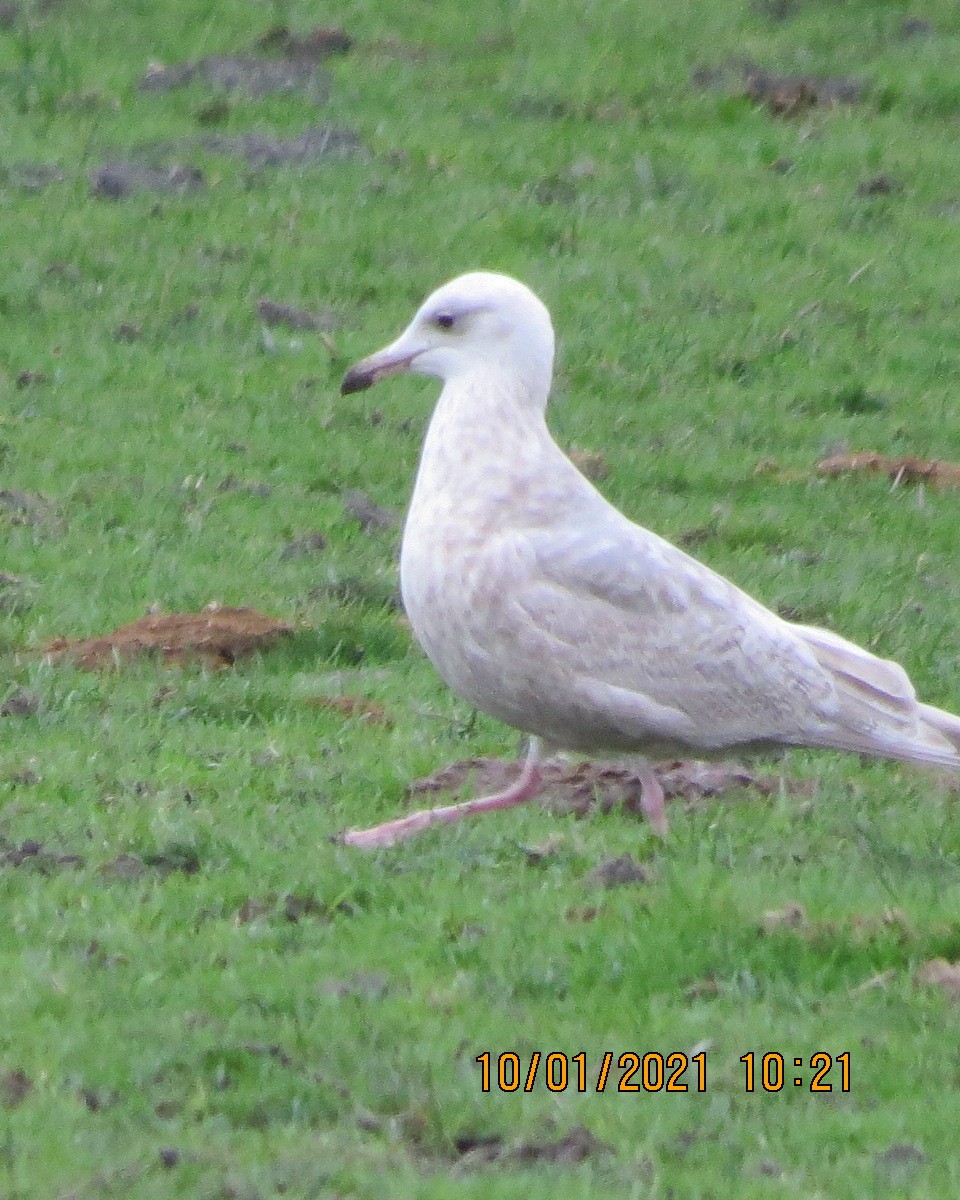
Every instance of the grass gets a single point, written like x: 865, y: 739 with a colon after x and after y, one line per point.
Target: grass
x: 253, y: 1012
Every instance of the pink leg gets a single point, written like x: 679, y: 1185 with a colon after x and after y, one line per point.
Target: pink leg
x: 651, y: 798
x: 390, y: 832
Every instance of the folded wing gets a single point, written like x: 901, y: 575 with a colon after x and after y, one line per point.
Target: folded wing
x: 648, y: 630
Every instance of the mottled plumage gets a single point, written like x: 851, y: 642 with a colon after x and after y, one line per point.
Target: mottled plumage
x: 542, y: 604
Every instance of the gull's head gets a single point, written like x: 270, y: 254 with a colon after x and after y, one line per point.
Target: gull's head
x: 479, y: 323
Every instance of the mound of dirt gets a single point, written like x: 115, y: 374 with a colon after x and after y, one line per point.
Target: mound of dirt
x: 905, y: 468
x: 217, y: 637
x: 583, y: 787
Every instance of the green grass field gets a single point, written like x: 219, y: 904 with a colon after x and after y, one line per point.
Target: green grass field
x: 201, y: 995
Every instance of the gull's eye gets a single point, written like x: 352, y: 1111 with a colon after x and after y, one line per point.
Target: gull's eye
x: 444, y: 320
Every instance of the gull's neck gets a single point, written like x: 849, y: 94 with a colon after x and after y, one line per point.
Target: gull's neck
x: 487, y: 439
x: 483, y: 415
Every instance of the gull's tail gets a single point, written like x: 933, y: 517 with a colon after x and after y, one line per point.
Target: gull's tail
x: 879, y: 712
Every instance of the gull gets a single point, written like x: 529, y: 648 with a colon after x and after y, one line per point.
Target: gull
x: 544, y: 606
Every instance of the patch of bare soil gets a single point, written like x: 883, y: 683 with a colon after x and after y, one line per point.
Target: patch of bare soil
x: 791, y: 916
x: 24, y: 508
x: 116, y: 180
x: 292, y: 907
x: 32, y: 177
x: 784, y: 95
x: 249, y: 487
x: 279, y: 61
x: 615, y: 872
x: 480, y: 773
x: 260, y: 150
x: 128, y: 867
x: 903, y: 469
x: 358, y: 505
x: 857, y: 929
x: 15, y: 1087
x: 120, y: 178
x: 174, y: 856
x: 21, y: 703
x: 240, y: 72
x: 27, y: 379
x: 900, y: 1158
x: 776, y: 10
x: 217, y: 637
x: 272, y: 312
x: 879, y: 185
x: 310, y: 543
x: 316, y: 45
x: 352, y: 589
x: 939, y: 972
x: 34, y: 854
x: 915, y: 27
x: 14, y: 593
x: 353, y: 706
x: 583, y: 787
x: 575, y: 1146
x: 591, y: 463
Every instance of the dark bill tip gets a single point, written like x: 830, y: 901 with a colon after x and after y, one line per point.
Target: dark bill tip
x: 357, y: 379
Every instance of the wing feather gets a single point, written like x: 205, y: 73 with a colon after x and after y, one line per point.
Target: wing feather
x: 652, y: 631
x: 636, y: 614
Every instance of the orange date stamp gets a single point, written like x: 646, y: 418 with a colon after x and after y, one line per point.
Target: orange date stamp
x: 627, y: 1072
x: 821, y: 1072
x: 652, y: 1071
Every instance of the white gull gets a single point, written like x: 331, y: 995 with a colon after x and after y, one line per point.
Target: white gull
x: 543, y: 605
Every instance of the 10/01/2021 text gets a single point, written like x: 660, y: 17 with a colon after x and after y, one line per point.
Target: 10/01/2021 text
x: 628, y: 1072
x: 654, y: 1072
